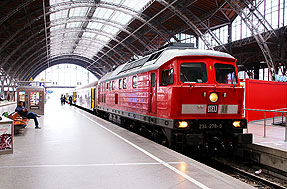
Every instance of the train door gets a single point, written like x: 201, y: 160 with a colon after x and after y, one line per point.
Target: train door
x: 153, y: 94
x: 93, y: 98
x: 74, y: 96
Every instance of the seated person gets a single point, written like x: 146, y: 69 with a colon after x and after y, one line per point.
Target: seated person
x: 22, y: 111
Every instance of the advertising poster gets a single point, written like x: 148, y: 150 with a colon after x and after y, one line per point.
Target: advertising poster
x: 5, y: 137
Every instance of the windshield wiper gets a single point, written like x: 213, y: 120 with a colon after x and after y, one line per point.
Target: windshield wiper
x: 185, y: 77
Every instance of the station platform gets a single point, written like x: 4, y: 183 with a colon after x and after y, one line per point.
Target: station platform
x: 75, y: 149
x: 270, y: 150
x: 275, y: 135
x: 7, y: 103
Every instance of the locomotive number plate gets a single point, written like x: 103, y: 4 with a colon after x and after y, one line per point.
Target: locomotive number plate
x: 212, y: 108
x: 210, y: 126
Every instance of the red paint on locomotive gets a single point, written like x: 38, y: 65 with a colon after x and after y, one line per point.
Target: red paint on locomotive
x: 170, y: 98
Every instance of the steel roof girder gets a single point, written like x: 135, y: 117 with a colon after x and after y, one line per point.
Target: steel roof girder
x: 33, y: 62
x: 28, y: 50
x: 16, y: 33
x: 42, y: 68
x: 37, y: 61
x: 140, y: 27
x: 189, y: 23
x: 22, y: 73
x: 257, y: 35
x: 122, y: 8
x: 93, y: 31
x: 201, y: 23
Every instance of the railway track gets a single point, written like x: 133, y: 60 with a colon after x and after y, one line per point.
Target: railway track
x: 247, y: 174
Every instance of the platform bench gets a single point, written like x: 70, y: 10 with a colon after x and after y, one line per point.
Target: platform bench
x: 19, y: 122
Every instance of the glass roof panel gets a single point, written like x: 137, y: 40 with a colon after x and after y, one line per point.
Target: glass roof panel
x: 103, y: 38
x: 78, y: 11
x: 103, y: 13
x: 71, y: 25
x: 121, y: 18
x: 89, y: 34
x: 110, y: 29
x: 94, y: 25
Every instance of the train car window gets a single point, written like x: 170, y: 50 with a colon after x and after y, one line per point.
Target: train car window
x: 135, y: 80
x: 110, y: 85
x: 107, y: 85
x: 193, y: 73
x: 153, y: 79
x: 120, y: 84
x: 124, y: 83
x: 225, y: 73
x: 113, y: 85
x: 167, y: 77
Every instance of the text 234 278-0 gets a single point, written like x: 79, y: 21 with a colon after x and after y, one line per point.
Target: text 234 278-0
x: 209, y: 126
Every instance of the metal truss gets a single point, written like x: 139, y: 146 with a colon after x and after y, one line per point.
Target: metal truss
x: 80, y: 19
x: 9, y: 83
x: 88, y: 30
x: 120, y: 9
x: 36, y: 54
x: 194, y: 27
x: 59, y: 31
x: 261, y: 38
x: 40, y: 58
x: 133, y: 33
x: 11, y: 13
x: 91, y: 48
x: 112, y: 6
x: 59, y: 60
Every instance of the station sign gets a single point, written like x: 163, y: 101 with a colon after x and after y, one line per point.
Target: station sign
x: 281, y: 78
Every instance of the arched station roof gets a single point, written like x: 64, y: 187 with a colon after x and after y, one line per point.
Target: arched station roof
x: 99, y: 34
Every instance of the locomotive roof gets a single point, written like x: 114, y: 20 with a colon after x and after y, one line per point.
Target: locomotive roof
x: 155, y: 60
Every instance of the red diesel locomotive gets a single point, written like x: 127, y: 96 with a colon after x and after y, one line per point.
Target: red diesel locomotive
x: 178, y: 96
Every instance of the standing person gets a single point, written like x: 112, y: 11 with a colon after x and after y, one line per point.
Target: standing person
x: 64, y: 99
x: 22, y: 111
x: 70, y: 100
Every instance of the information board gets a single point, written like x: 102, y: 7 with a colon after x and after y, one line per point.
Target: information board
x: 6, y: 136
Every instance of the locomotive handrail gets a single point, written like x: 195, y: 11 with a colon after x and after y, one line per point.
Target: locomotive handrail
x: 274, y: 111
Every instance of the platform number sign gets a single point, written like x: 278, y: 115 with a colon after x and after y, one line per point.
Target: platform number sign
x: 212, y: 108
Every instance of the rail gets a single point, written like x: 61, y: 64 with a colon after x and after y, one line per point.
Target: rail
x: 282, y: 111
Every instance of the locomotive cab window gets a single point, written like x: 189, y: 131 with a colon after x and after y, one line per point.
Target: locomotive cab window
x: 135, y: 80
x: 193, y: 73
x: 167, y: 77
x: 225, y: 73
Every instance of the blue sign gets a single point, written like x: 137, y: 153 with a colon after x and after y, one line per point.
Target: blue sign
x: 281, y: 78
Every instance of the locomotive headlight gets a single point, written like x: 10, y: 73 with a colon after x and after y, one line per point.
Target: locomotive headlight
x: 213, y: 97
x: 182, y: 124
x: 236, y: 123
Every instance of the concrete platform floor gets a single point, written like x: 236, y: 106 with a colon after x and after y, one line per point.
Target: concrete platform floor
x: 275, y: 135
x: 75, y: 149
